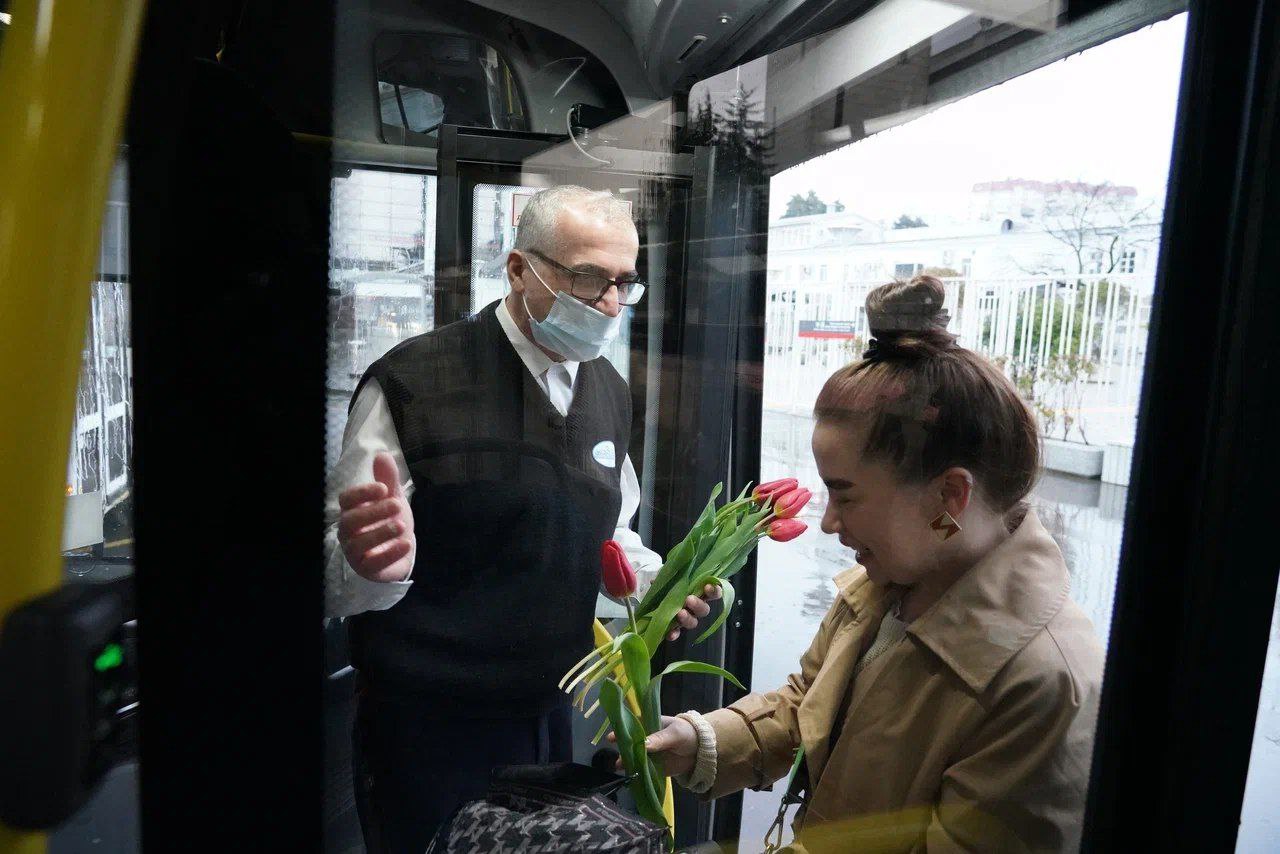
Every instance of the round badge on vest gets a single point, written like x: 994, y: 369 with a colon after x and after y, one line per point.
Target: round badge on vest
x: 605, y: 454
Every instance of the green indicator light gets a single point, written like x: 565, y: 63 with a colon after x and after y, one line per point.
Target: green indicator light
x: 111, y: 656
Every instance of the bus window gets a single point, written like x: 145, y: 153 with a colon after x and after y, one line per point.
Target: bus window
x: 496, y: 213
x: 99, y: 522
x: 381, y: 274
x: 427, y: 79
x: 409, y: 108
x: 1059, y: 231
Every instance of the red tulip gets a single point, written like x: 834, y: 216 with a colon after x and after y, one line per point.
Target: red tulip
x: 791, y: 503
x: 774, y: 487
x: 784, y: 530
x: 619, y: 577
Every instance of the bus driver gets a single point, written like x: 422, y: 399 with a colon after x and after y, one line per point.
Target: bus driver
x: 469, y: 562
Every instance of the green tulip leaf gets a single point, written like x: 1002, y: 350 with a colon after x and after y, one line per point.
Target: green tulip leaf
x: 651, y: 706
x: 700, y: 667
x: 660, y: 619
x: 635, y: 661
x: 611, y: 699
x: 631, y: 747
x: 726, y: 605
x: 679, y: 558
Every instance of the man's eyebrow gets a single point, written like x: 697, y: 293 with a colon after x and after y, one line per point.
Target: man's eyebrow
x: 837, y: 483
x: 597, y: 270
x: 594, y: 269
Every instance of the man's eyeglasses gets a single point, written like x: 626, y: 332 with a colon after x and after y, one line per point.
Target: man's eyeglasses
x: 592, y: 287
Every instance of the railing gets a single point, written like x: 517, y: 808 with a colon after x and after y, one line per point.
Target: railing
x: 1025, y: 324
x: 102, y: 436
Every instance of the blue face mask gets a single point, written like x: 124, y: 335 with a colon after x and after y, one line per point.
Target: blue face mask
x: 572, y: 328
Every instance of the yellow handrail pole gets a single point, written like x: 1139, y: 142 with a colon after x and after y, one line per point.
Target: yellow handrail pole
x: 65, y: 68
x: 668, y: 798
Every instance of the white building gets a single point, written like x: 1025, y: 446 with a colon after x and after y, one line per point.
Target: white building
x: 1075, y: 259
x: 1016, y: 228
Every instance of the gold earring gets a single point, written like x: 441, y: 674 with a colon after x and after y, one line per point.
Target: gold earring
x: 946, y: 526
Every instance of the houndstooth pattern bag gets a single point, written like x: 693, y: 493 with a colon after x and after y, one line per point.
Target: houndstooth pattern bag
x: 548, y: 809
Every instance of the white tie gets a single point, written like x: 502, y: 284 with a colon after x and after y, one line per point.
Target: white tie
x: 559, y: 387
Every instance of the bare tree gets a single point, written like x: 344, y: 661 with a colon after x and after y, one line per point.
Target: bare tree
x: 1096, y: 226
x: 1099, y: 227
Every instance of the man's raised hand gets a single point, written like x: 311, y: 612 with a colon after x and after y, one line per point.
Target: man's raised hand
x: 376, y: 525
x: 695, y: 608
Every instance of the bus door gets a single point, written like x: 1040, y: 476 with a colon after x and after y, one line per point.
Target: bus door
x: 959, y: 142
x: 690, y: 351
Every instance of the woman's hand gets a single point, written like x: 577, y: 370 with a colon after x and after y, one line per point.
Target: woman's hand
x: 675, y: 745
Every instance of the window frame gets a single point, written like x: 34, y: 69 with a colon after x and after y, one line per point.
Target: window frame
x: 1189, y: 641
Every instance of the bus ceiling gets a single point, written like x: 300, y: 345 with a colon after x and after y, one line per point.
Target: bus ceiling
x: 675, y: 43
x: 631, y: 64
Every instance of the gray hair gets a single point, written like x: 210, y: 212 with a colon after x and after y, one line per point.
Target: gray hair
x: 537, y: 229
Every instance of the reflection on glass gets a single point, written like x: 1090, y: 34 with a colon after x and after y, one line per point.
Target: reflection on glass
x: 419, y: 111
x: 426, y: 79
x: 1051, y: 278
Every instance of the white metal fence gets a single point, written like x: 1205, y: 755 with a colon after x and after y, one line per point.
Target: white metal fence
x: 1023, y: 321
x: 102, y: 436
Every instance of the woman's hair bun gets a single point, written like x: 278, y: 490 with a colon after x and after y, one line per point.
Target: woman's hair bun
x: 906, y: 318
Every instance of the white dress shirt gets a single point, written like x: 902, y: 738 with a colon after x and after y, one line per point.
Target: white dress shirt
x: 370, y: 430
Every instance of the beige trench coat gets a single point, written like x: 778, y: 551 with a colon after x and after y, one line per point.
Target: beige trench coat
x: 974, y: 733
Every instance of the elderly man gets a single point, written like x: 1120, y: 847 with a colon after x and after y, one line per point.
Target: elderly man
x: 483, y: 466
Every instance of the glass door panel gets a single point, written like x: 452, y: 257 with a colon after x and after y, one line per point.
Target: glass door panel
x: 1045, y: 233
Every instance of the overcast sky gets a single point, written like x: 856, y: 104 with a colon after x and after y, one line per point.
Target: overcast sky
x: 1104, y: 115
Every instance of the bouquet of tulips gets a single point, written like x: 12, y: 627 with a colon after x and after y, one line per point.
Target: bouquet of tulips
x: 716, y: 547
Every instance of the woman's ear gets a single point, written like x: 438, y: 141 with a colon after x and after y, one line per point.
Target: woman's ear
x: 955, y: 487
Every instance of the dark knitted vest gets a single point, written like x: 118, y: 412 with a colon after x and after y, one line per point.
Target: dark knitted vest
x: 511, y: 505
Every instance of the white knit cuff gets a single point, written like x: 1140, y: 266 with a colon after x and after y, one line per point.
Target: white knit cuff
x: 703, y: 774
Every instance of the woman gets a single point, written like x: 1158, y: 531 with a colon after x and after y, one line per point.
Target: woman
x: 948, y: 701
